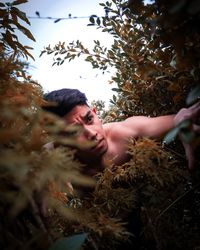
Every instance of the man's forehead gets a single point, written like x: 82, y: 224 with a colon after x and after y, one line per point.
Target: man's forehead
x: 79, y: 111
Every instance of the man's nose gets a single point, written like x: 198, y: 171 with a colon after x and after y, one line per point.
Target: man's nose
x: 90, y: 133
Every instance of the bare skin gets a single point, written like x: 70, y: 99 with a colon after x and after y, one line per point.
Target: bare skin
x: 192, y: 114
x: 111, y: 139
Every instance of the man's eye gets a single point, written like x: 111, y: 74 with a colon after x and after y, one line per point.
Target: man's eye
x: 90, y: 119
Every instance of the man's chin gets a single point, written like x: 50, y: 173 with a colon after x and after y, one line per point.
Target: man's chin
x: 96, y: 152
x: 100, y: 148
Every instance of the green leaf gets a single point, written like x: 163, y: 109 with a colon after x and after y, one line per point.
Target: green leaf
x: 57, y: 20
x: 171, y: 135
x: 193, y: 95
x: 104, y: 21
x: 88, y: 58
x: 116, y: 89
x: 98, y: 21
x: 91, y: 19
x: 97, y: 42
x: 72, y: 242
x: 116, y: 79
x: 8, y: 4
x: 111, y: 101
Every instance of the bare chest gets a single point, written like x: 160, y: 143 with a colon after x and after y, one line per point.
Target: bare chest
x: 117, y: 152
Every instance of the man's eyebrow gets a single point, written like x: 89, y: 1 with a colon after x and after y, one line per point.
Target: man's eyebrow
x: 86, y: 115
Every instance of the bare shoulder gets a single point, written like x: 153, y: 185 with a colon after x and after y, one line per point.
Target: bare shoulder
x: 122, y: 126
x: 118, y: 130
x: 112, y: 126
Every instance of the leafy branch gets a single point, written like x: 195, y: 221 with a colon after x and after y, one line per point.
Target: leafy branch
x: 75, y: 49
x: 10, y: 18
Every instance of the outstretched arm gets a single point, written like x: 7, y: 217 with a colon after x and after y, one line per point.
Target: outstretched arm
x: 140, y: 126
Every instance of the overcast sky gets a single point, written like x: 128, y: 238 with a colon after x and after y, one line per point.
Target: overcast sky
x: 78, y: 73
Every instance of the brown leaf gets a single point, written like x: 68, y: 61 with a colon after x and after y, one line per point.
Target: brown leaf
x: 19, y: 2
x: 25, y: 31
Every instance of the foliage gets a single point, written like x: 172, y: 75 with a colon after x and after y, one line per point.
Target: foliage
x: 33, y: 179
x: 155, y: 54
x: 157, y: 64
x: 147, y: 53
x: 10, y: 18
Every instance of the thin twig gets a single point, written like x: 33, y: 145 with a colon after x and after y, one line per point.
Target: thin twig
x: 177, y: 200
x: 176, y: 153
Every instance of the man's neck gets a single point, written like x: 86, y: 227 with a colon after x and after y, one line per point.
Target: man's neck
x: 93, y: 165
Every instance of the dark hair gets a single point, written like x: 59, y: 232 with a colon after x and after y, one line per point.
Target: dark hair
x: 66, y: 100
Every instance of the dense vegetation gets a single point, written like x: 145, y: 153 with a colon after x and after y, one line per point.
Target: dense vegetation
x: 154, y: 195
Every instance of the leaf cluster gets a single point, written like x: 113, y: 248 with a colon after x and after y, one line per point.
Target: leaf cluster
x: 156, y: 62
x: 34, y: 180
x: 10, y: 22
x: 156, y: 66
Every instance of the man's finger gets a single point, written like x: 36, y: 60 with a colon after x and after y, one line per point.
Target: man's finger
x: 191, y: 113
x: 195, y: 110
x: 195, y: 106
x: 196, y: 128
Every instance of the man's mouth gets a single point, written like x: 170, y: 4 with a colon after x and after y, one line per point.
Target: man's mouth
x: 97, y: 145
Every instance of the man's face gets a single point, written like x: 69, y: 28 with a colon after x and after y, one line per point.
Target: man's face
x: 92, y: 130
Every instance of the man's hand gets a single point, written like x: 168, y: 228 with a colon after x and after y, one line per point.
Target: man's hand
x: 192, y: 114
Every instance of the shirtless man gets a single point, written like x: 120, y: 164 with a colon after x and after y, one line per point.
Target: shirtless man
x: 111, y: 139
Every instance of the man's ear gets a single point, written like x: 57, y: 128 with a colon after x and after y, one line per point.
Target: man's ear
x: 94, y: 110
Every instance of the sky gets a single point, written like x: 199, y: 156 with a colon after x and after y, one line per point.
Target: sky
x: 78, y: 73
